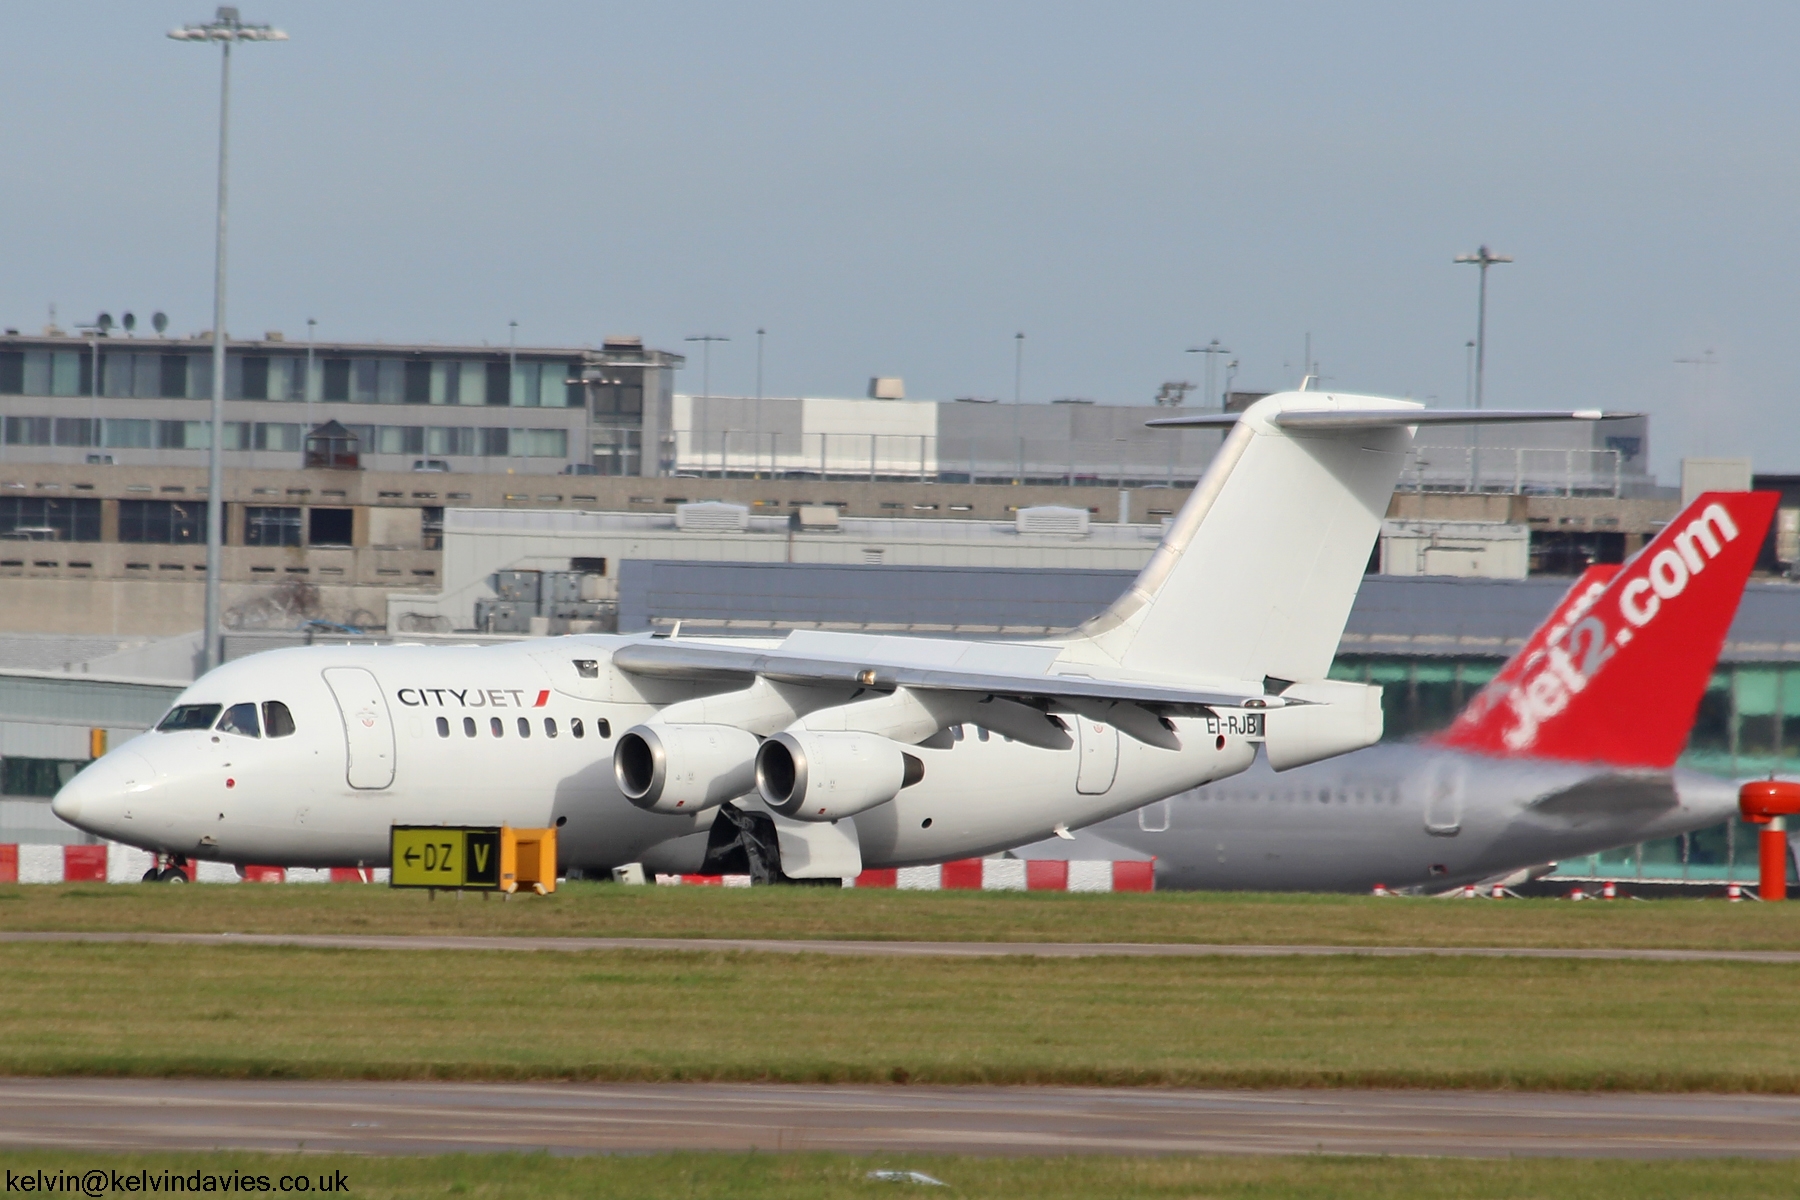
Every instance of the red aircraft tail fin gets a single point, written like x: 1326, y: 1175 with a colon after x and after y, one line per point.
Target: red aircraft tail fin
x: 1615, y: 674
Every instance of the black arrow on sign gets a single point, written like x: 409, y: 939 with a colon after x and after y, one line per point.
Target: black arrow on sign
x: 411, y: 855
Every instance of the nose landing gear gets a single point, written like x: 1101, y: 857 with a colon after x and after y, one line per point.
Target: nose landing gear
x: 170, y: 868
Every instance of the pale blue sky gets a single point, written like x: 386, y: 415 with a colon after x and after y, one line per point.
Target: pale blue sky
x: 898, y: 188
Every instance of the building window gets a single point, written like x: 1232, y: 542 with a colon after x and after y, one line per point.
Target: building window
x: 329, y: 526
x: 12, y: 373
x: 77, y: 431
x: 418, y: 381
x: 337, y: 379
x: 271, y: 526
x: 28, y: 431
x: 276, y: 436
x: 400, y: 439
x: 255, y: 385
x: 494, y: 442
x: 547, y: 443
x: 497, y: 384
x: 65, y: 372
x: 431, y: 528
x: 34, y: 518
x: 447, y: 440
x: 173, y: 381
x: 36, y: 776
x: 164, y: 522
x: 129, y: 434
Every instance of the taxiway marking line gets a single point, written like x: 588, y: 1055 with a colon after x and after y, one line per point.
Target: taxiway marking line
x: 333, y: 941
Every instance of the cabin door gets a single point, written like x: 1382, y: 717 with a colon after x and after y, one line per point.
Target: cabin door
x: 368, y: 729
x: 1444, y: 784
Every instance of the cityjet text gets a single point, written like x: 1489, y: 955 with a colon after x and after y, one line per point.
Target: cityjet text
x: 472, y: 697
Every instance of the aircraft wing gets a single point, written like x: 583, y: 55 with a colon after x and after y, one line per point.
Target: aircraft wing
x: 671, y: 659
x: 1374, y: 418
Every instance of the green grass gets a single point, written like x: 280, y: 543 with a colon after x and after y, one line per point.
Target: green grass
x: 827, y: 1177
x: 640, y: 1015
x: 609, y: 910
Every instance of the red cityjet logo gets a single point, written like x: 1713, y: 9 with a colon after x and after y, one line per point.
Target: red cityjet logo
x: 1580, y: 645
x: 471, y: 697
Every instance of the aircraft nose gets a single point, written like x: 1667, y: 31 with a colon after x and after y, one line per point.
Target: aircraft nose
x: 100, y: 790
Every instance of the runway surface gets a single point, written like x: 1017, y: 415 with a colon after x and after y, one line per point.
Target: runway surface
x: 894, y: 949
x: 431, y: 1118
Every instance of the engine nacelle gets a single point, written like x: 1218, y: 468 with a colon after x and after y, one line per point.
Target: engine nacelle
x: 1340, y: 717
x: 813, y: 776
x: 684, y: 768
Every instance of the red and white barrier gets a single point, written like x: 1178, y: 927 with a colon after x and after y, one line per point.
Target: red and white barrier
x: 110, y: 862
x: 1017, y: 875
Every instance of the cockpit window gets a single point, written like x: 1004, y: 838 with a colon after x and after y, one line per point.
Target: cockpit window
x: 240, y: 719
x: 277, y: 720
x: 189, y: 716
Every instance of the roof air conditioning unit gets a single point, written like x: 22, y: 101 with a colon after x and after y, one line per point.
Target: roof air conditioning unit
x: 712, y: 516
x: 887, y: 387
x: 1053, y: 519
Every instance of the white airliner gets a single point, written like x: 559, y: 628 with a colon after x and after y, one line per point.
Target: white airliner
x: 820, y: 754
x: 1569, y: 751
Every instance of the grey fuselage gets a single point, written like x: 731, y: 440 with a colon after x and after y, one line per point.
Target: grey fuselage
x: 1408, y: 815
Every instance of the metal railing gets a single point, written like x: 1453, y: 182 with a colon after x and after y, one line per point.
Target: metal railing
x: 1513, y: 471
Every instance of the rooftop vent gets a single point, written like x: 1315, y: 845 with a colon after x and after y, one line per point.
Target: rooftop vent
x: 712, y: 516
x: 887, y: 387
x: 1053, y: 519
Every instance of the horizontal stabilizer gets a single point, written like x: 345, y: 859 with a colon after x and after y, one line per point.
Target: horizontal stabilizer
x: 1378, y: 418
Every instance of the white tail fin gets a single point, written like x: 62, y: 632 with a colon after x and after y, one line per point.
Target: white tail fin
x: 1256, y: 576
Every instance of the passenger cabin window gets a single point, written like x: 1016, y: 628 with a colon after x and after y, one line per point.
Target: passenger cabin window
x: 497, y: 726
x: 549, y: 726
x: 468, y: 726
x: 241, y: 720
x: 524, y: 726
x: 603, y: 727
x: 277, y: 720
x: 575, y: 729
x: 443, y: 726
x: 189, y: 716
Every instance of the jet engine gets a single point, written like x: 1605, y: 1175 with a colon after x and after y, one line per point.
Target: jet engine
x: 813, y: 776
x: 684, y: 768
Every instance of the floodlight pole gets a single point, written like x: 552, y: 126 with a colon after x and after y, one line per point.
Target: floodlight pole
x: 1212, y: 350
x: 706, y: 341
x: 756, y: 445
x: 1018, y: 398
x: 1483, y: 258
x: 225, y: 29
x: 306, y: 387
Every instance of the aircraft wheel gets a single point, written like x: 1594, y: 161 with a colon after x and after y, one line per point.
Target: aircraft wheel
x: 174, y: 875
x: 153, y: 875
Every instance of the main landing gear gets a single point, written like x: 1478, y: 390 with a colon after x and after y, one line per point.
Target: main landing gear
x: 168, y: 868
